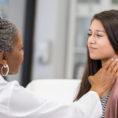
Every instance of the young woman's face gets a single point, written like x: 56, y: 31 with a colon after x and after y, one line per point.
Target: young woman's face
x: 98, y: 43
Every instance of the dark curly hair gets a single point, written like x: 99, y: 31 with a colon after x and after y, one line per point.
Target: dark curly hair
x: 8, y: 32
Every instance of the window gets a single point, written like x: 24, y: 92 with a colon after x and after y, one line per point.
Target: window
x: 3, y: 8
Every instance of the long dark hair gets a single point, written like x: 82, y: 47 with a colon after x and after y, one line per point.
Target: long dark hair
x: 109, y: 20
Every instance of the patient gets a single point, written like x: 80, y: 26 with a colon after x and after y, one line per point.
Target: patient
x: 102, y: 45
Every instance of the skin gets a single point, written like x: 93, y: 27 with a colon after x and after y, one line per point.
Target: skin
x: 98, y: 43
x: 104, y: 79
x: 100, y: 49
x: 14, y: 58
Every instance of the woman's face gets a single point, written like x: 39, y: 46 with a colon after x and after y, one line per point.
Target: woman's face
x: 15, y: 58
x: 98, y: 43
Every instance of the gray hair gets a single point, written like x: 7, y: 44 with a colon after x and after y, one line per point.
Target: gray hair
x: 8, y: 32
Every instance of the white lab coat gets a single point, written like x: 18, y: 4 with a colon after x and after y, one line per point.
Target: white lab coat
x: 18, y: 102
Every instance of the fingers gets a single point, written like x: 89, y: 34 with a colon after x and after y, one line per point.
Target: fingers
x: 115, y: 69
x: 111, y: 64
x: 112, y: 67
x: 106, y: 66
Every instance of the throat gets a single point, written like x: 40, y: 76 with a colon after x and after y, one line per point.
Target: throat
x: 104, y: 61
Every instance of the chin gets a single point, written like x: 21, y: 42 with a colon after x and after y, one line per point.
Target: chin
x: 99, y: 58
x: 95, y: 58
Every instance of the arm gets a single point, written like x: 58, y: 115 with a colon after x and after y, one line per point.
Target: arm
x: 23, y: 104
x: 105, y: 78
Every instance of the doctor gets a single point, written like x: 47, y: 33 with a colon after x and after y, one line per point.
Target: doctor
x: 17, y: 102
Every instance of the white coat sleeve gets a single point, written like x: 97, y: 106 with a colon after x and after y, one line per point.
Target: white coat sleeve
x: 23, y: 104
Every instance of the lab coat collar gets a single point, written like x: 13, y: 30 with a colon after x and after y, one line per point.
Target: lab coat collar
x: 2, y: 80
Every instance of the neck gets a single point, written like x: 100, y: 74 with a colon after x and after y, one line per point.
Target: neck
x: 105, y: 60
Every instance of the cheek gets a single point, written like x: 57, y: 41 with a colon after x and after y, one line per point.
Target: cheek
x: 17, y: 62
x: 107, y: 52
x: 20, y: 58
x: 104, y: 51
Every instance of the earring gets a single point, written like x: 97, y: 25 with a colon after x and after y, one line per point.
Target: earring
x: 2, y: 70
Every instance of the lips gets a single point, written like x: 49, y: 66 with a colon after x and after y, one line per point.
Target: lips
x: 92, y: 48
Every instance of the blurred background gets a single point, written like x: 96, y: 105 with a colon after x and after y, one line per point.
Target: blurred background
x: 54, y: 33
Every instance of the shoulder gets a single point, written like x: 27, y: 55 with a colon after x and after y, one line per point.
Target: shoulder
x: 6, y: 91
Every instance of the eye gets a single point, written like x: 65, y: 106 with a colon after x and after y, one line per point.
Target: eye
x: 21, y: 48
x: 89, y: 34
x: 98, y: 35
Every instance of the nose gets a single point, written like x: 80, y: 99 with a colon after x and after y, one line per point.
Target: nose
x: 92, y: 40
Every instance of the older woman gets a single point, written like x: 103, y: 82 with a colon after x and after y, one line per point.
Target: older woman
x: 17, y: 102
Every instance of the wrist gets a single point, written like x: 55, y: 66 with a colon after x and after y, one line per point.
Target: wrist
x: 98, y: 91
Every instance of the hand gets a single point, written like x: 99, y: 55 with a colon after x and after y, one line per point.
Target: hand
x: 104, y: 79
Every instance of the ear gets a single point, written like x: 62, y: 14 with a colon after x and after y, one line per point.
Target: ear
x: 2, y: 58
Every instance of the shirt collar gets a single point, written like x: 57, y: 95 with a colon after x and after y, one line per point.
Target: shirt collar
x: 2, y: 79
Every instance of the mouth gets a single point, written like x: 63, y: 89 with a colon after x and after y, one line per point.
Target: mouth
x: 92, y: 48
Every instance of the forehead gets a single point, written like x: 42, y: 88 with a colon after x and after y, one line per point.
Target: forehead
x: 96, y: 25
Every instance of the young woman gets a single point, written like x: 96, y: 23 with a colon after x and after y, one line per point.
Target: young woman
x: 17, y: 102
x: 102, y: 45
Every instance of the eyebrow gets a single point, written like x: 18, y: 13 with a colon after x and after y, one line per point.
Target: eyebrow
x: 97, y: 30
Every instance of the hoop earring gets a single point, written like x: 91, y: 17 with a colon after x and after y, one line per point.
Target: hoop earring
x: 5, y: 67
